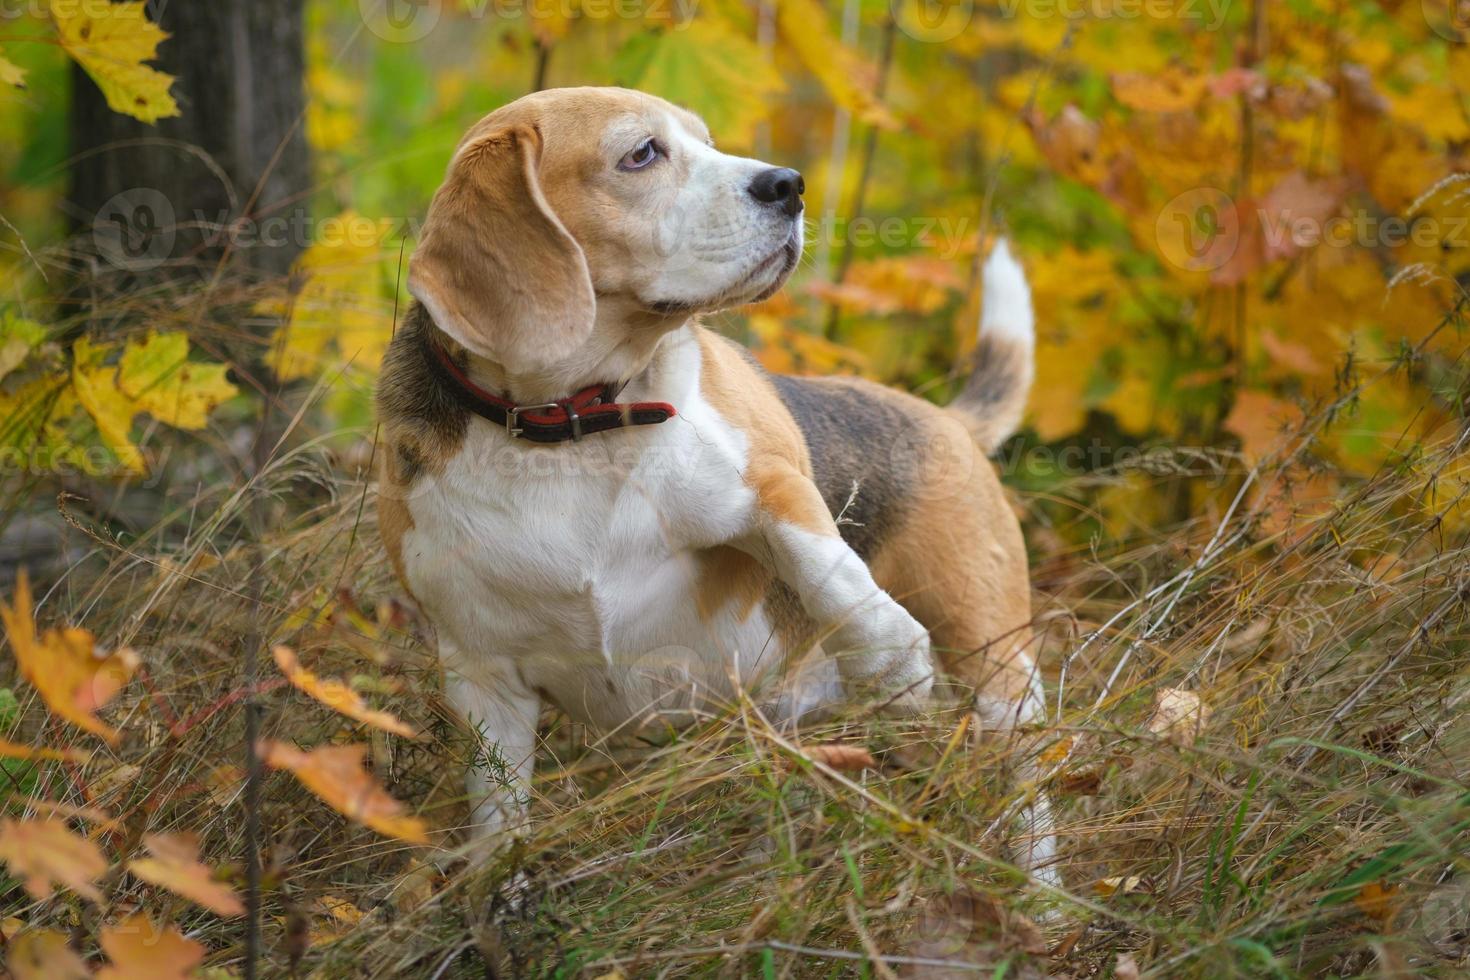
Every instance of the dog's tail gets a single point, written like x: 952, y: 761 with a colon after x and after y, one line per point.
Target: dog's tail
x: 1003, y: 363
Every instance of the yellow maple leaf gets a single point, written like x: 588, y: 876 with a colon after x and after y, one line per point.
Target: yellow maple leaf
x: 95, y: 384
x: 111, y: 41
x: 73, y: 677
x: 336, y: 775
x: 139, y: 949
x: 152, y: 375
x: 43, y: 954
x: 158, y: 376
x: 175, y: 865
x: 44, y: 853
x: 11, y: 73
x: 336, y: 695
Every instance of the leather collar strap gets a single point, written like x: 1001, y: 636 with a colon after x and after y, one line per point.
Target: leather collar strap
x: 589, y: 410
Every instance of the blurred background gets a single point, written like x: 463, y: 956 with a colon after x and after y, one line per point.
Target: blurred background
x: 1228, y: 208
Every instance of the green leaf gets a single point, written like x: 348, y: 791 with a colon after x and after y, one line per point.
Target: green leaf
x: 708, y: 67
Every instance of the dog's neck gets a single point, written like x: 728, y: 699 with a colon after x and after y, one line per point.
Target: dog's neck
x: 622, y: 345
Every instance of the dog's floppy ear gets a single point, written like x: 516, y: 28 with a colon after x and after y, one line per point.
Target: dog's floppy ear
x: 495, y: 268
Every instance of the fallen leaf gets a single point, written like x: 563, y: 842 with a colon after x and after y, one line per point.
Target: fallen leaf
x: 1080, y: 782
x: 1126, y: 968
x: 175, y: 865
x: 43, y: 954
x: 225, y: 783
x: 844, y: 758
x: 45, y: 853
x: 1378, y: 900
x: 415, y: 886
x: 336, y: 775
x: 336, y: 695
x: 14, y: 750
x: 1179, y: 715
x: 1119, y: 885
x: 74, y: 679
x: 111, y: 41
x: 140, y: 950
x: 1057, y: 752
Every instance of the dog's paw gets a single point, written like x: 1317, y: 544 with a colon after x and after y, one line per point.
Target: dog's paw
x: 893, y: 663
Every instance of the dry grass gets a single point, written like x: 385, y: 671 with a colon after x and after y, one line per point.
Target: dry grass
x: 1315, y: 823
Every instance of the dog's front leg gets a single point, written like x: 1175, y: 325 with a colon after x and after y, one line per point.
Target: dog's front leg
x: 880, y: 647
x: 494, y: 702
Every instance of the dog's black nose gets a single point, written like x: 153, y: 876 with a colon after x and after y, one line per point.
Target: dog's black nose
x: 781, y: 186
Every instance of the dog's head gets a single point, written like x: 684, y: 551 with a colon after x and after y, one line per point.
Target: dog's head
x: 574, y: 198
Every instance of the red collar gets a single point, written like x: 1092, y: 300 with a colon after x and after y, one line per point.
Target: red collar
x: 590, y: 410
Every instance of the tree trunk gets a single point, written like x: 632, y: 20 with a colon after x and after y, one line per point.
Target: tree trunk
x: 230, y: 170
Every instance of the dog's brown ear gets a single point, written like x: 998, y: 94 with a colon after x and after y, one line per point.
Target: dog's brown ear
x: 495, y: 268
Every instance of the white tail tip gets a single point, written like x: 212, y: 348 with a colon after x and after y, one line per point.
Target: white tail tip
x: 1006, y: 302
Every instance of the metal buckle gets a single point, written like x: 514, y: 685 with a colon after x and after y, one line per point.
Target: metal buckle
x: 512, y: 413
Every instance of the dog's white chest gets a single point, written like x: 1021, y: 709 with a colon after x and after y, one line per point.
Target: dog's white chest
x: 579, y: 563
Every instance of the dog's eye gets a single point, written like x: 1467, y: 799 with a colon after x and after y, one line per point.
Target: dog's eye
x: 646, y: 153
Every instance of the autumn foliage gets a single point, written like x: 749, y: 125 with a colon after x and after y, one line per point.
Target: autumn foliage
x: 1243, y: 478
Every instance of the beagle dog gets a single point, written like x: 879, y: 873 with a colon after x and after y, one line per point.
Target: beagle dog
x: 604, y: 506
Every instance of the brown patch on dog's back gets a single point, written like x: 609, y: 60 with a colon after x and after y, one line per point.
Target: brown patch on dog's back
x: 858, y: 435
x: 956, y: 560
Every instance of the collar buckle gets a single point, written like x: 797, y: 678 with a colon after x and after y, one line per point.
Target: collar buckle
x: 512, y: 417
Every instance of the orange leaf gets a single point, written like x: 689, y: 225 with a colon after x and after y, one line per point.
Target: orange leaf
x: 141, y: 950
x: 44, y: 852
x: 1377, y: 900
x: 336, y: 775
x: 175, y: 865
x: 1171, y: 90
x: 1260, y: 420
x: 14, y: 750
x: 336, y: 695
x: 844, y: 758
x: 1288, y: 354
x: 73, y: 677
x: 42, y: 954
